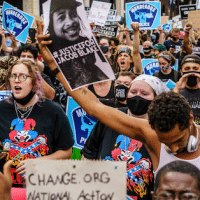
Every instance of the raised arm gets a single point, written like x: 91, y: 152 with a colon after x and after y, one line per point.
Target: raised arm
x: 88, y: 101
x: 4, y: 46
x: 136, y: 54
x: 161, y: 36
x: 188, y: 49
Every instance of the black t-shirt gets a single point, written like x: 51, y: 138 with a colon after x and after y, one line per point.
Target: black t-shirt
x: 166, y: 77
x: 193, y: 97
x: 106, y: 144
x: 177, y: 45
x: 46, y: 131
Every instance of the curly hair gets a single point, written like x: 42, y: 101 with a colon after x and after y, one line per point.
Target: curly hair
x: 167, y: 110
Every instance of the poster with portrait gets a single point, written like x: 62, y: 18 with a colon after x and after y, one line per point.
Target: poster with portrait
x: 146, y: 13
x: 74, y: 47
x: 81, y: 123
x: 16, y: 22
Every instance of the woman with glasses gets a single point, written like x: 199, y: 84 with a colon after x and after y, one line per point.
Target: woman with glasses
x: 30, y: 125
x: 166, y: 60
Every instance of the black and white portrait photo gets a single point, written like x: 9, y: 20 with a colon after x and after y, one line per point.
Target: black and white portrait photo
x: 74, y: 47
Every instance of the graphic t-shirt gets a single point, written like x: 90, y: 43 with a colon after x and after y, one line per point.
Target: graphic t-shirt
x: 106, y: 144
x: 169, y: 43
x: 193, y: 97
x: 45, y: 131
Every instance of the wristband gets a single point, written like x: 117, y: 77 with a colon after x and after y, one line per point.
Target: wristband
x: 55, y: 71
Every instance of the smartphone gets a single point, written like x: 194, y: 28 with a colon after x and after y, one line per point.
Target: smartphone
x: 31, y: 33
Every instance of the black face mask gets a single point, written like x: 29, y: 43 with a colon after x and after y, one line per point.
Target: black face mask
x: 138, y: 105
x: 26, y: 99
x: 192, y: 80
x: 146, y: 50
x: 104, y: 49
x: 120, y: 92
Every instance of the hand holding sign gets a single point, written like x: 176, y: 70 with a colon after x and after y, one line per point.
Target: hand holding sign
x: 6, y: 182
x: 160, y: 29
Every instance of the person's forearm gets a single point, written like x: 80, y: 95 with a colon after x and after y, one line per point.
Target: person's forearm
x: 121, y: 35
x: 128, y: 39
x: 161, y: 38
x: 187, y: 47
x: 49, y: 92
x: 4, y: 46
x: 58, y: 155
x: 136, y: 42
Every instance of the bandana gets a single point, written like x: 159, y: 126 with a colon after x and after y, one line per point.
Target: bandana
x: 124, y: 50
x: 166, y: 56
x: 157, y: 85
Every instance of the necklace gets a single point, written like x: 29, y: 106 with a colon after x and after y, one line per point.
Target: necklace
x: 27, y: 113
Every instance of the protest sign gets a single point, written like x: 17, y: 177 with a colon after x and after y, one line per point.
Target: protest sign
x: 1, y: 17
x: 167, y: 27
x: 177, y: 23
x: 99, y: 12
x: 146, y: 13
x: 4, y: 94
x: 183, y: 10
x: 74, y: 47
x: 81, y: 123
x: 109, y: 31
x: 193, y: 18
x: 16, y: 22
x: 164, y: 19
x: 150, y: 66
x: 77, y: 180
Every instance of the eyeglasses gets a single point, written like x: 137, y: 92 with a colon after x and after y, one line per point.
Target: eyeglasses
x: 181, y: 196
x: 21, y: 77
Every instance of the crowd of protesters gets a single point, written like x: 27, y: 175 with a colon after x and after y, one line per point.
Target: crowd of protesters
x: 141, y: 121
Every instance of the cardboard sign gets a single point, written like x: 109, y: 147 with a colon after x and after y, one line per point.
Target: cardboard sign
x: 164, y: 19
x: 177, y: 23
x: 109, y: 31
x: 16, y: 22
x: 183, y: 10
x: 146, y: 13
x: 75, y: 180
x: 193, y: 17
x: 81, y: 123
x: 99, y: 12
x: 74, y: 47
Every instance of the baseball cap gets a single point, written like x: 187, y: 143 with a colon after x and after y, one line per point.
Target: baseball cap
x: 196, y: 51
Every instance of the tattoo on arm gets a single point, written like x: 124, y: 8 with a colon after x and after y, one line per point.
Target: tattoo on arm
x: 84, y: 91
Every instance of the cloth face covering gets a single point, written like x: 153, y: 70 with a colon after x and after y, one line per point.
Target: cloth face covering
x: 165, y: 68
x: 147, y: 50
x: 120, y: 92
x: 138, y: 105
x: 104, y: 49
x: 26, y: 99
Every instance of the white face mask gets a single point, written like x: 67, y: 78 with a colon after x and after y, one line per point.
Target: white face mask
x: 21, y: 59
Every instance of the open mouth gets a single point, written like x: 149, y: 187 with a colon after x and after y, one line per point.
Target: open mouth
x: 17, y: 88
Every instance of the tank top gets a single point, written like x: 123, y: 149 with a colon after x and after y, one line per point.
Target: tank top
x: 110, y: 94
x: 166, y: 158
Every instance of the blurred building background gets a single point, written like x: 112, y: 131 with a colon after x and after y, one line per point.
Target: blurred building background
x: 168, y: 7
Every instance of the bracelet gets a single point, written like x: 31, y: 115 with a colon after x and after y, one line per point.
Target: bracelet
x: 55, y: 71
x: 121, y: 30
